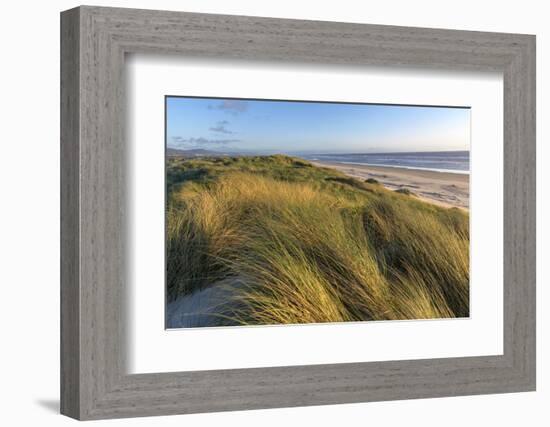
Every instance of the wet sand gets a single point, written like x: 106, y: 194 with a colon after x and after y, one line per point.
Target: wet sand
x: 442, y: 188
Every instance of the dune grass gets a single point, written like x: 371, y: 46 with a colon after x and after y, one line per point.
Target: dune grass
x: 304, y: 244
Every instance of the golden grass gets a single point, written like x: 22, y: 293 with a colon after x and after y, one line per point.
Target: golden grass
x: 307, y: 252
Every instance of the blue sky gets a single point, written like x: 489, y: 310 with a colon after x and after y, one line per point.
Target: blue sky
x: 228, y: 125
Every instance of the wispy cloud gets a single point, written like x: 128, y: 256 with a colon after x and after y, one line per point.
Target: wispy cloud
x: 231, y: 106
x: 178, y: 141
x: 221, y: 127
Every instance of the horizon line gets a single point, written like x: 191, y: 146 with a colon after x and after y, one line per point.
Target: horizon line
x: 314, y: 152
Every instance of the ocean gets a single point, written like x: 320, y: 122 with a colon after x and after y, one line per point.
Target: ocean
x: 440, y: 161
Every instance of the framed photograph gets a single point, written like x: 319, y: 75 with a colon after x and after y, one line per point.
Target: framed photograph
x: 273, y: 217
x: 261, y: 213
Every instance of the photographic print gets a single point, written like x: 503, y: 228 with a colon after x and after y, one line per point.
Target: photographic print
x: 296, y: 212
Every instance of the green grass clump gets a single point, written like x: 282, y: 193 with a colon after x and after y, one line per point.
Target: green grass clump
x: 404, y: 191
x: 304, y: 244
x: 372, y: 181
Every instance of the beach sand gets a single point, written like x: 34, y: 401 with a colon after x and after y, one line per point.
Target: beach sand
x: 442, y: 188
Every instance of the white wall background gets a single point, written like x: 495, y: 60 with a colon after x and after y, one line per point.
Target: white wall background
x: 29, y: 214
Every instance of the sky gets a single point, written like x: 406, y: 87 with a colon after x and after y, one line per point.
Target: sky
x: 266, y: 126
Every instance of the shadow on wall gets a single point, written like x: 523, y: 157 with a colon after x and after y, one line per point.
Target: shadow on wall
x: 52, y: 405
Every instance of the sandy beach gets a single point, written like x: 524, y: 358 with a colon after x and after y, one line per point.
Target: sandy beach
x: 442, y: 188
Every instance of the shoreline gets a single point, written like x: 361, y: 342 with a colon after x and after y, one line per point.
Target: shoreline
x: 400, y: 167
x: 446, y: 189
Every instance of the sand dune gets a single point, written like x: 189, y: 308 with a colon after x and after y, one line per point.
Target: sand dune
x: 442, y: 188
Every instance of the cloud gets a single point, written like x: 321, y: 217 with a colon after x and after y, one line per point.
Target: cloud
x: 179, y: 141
x: 231, y: 106
x: 221, y: 127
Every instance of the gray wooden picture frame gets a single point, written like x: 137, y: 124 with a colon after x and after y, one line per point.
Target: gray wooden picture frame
x: 94, y: 41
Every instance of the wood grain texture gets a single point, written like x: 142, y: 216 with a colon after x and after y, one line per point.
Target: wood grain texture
x: 70, y: 314
x: 94, y: 234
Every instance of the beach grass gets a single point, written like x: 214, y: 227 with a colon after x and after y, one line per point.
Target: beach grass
x: 298, y: 243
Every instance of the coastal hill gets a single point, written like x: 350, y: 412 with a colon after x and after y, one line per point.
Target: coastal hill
x: 196, y: 152
x: 255, y: 240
